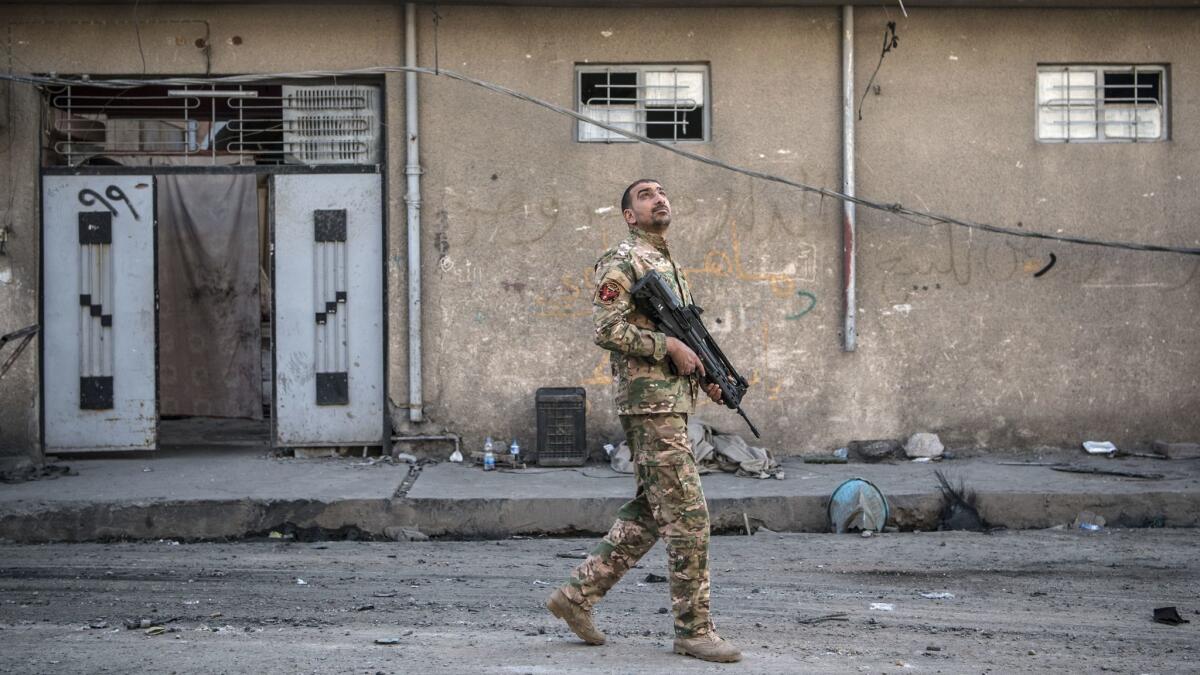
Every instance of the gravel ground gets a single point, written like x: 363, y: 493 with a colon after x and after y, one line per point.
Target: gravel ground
x: 1022, y: 601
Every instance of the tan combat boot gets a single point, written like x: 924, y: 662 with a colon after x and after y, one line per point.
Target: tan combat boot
x: 709, y: 647
x: 577, y: 618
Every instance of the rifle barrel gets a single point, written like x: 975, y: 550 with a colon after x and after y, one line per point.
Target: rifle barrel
x: 751, y: 424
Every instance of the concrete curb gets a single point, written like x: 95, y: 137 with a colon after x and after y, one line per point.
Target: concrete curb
x: 491, y: 518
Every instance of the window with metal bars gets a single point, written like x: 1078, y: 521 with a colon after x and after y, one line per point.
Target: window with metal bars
x: 663, y: 102
x: 322, y: 123
x: 1102, y: 104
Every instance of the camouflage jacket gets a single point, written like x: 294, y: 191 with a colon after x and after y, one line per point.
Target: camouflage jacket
x: 639, y: 353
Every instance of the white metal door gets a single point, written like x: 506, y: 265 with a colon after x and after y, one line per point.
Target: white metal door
x: 327, y: 245
x: 99, y: 328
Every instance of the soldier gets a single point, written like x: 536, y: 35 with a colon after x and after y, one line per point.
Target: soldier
x: 653, y: 405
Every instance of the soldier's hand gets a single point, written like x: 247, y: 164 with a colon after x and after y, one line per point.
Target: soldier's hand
x: 685, y: 360
x: 713, y: 391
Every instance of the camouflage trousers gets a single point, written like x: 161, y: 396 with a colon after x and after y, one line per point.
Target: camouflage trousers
x: 669, y: 505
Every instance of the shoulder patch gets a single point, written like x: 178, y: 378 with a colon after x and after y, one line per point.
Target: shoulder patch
x: 609, y: 291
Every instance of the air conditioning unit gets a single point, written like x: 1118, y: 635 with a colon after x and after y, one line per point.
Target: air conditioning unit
x: 331, y: 124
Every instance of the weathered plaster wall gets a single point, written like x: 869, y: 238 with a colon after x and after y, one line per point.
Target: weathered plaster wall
x: 954, y: 324
x: 18, y: 273
x: 956, y: 336
x: 517, y: 212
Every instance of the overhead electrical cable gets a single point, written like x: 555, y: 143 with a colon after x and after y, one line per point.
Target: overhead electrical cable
x: 895, y: 208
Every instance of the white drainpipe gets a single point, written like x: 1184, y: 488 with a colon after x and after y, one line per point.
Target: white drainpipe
x: 849, y: 226
x: 412, y: 199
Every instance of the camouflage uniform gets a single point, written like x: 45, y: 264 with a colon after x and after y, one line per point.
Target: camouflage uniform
x: 653, y: 405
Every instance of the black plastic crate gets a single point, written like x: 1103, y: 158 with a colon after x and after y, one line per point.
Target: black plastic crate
x: 561, y: 426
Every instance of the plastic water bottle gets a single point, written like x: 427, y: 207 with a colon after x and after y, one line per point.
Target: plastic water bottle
x: 514, y: 452
x: 489, y: 457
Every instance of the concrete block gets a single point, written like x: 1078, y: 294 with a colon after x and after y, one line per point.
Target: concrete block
x: 874, y: 451
x: 1178, y: 450
x: 924, y: 445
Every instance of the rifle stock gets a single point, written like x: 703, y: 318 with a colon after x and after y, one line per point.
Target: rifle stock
x: 657, y: 300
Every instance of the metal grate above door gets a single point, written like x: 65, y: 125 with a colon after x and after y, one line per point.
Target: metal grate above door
x: 200, y: 126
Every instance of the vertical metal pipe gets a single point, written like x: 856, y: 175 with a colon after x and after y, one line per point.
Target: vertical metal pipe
x: 849, y: 225
x: 412, y: 170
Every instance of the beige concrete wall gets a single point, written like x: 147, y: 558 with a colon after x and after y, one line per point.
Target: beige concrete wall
x: 517, y: 212
x: 956, y: 336
x: 1104, y: 345
x: 19, y: 271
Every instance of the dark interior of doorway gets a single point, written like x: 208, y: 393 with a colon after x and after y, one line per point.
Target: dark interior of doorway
x: 191, y: 265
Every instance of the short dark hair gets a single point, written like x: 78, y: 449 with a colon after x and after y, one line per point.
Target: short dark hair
x: 626, y: 200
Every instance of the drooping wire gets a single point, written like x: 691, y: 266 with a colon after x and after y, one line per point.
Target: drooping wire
x: 138, y: 33
x: 893, y: 208
x: 437, y: 19
x: 890, y: 41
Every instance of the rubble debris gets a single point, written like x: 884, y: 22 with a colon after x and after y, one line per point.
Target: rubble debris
x: 924, y: 445
x: 875, y: 451
x: 406, y: 457
x: 1075, y: 468
x: 823, y: 459
x: 1169, y: 616
x: 1029, y: 463
x: 1099, y: 448
x: 938, y: 595
x: 652, y: 578
x: 856, y: 504
x: 387, y: 641
x: 396, y: 533
x: 958, y: 507
x: 31, y: 473
x: 1177, y: 450
x: 1088, y: 522
x: 714, y: 450
x: 839, y: 616
x: 301, y: 582
x: 574, y: 555
x: 883, y: 606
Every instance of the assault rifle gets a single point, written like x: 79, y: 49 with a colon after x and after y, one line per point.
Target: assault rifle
x: 656, y: 299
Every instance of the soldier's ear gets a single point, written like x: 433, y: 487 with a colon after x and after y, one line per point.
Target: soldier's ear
x: 630, y: 218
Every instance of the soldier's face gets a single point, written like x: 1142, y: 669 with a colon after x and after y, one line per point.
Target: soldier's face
x: 650, y: 210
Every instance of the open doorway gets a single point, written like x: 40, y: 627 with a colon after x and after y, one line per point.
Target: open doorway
x: 214, y: 310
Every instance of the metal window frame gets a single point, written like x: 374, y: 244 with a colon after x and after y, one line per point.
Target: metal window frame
x: 197, y: 97
x: 640, y: 69
x: 1098, y: 102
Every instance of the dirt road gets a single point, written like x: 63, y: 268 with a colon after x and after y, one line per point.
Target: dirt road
x: 1022, y: 601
